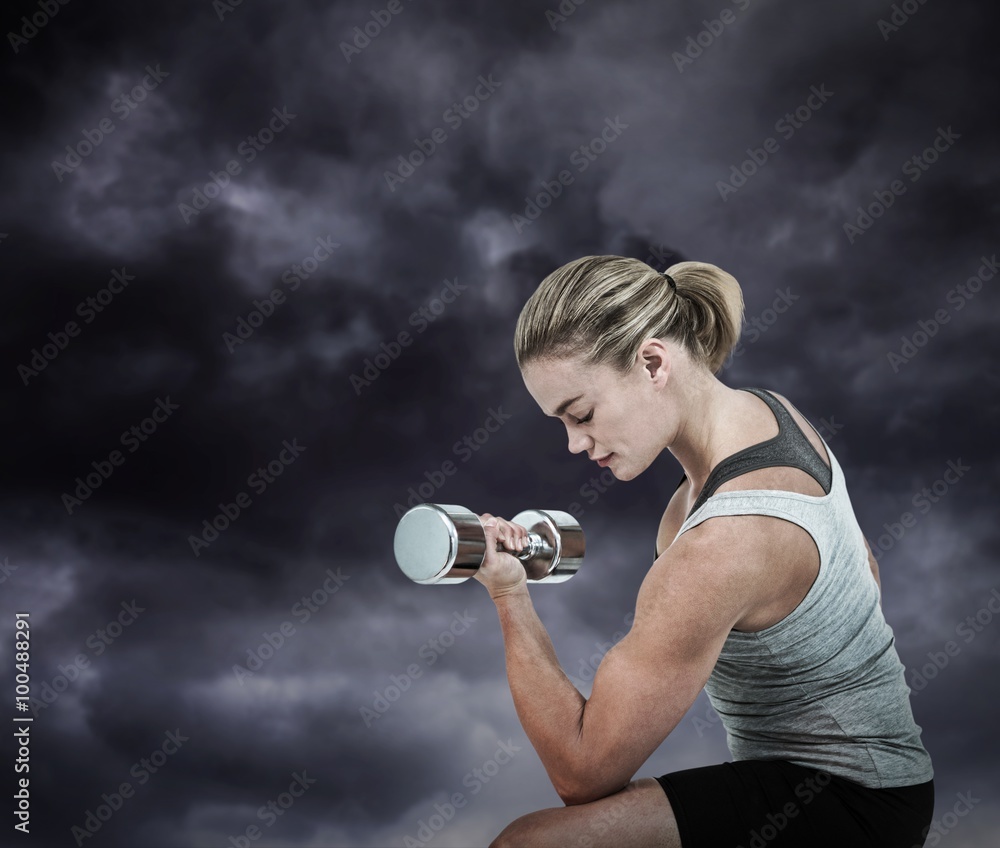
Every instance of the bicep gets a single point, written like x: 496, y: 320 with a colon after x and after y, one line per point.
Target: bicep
x: 686, y: 607
x: 643, y: 687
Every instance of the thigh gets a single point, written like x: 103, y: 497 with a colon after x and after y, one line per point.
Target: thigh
x: 773, y: 803
x: 639, y: 816
x: 893, y: 818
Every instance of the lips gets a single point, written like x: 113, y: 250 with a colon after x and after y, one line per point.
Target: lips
x: 603, y: 461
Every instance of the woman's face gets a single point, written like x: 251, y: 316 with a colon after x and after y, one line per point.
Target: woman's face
x: 608, y: 414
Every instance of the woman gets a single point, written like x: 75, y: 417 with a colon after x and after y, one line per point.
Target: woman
x: 763, y: 590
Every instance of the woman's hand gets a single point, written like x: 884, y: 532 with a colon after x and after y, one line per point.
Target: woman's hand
x: 502, y: 573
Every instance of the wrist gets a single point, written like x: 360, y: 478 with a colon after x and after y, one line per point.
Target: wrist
x: 519, y: 590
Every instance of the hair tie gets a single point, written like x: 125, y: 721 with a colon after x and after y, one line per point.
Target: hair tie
x: 670, y: 280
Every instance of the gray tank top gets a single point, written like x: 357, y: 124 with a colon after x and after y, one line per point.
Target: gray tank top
x: 824, y: 687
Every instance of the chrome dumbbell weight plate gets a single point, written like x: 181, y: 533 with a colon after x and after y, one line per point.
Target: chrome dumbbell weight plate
x: 560, y: 544
x: 439, y: 543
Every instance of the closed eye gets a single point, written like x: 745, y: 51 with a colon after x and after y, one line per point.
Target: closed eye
x: 585, y: 420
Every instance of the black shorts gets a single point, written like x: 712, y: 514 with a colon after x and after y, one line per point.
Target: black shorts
x: 775, y: 804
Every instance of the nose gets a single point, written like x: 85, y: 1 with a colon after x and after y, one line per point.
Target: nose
x: 578, y: 442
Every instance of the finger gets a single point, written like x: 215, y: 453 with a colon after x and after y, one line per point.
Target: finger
x: 505, y: 539
x: 500, y: 527
x: 516, y: 536
x: 507, y: 534
x: 521, y: 536
x: 493, y: 530
x: 512, y: 536
x: 508, y: 537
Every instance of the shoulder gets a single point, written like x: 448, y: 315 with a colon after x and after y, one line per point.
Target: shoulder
x: 728, y: 572
x: 674, y: 515
x: 710, y: 577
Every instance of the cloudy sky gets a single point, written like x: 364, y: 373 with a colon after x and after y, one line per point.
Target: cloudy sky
x: 168, y: 166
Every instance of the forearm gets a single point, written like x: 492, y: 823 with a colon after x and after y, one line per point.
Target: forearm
x: 549, y: 706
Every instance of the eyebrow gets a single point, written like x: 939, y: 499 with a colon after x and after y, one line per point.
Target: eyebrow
x: 565, y: 405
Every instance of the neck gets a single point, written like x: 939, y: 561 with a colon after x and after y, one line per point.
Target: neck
x: 705, y: 429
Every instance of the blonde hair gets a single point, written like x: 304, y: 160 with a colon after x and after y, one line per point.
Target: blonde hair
x: 603, y: 307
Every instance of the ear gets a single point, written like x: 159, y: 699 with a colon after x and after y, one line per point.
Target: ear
x: 655, y: 360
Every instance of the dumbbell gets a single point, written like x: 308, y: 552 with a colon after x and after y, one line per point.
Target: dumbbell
x: 445, y: 543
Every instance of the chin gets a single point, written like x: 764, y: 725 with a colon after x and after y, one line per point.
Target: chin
x: 623, y: 471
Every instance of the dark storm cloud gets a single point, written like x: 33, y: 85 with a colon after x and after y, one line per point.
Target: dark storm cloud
x: 672, y: 134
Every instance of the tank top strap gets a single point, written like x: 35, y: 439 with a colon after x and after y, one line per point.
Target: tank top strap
x: 790, y: 447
